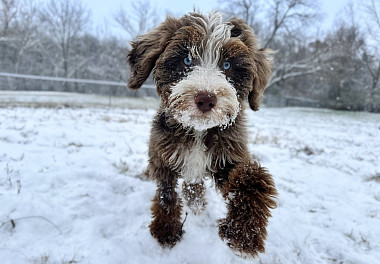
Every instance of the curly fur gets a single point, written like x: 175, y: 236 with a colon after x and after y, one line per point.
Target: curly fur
x: 249, y: 192
x: 188, y: 58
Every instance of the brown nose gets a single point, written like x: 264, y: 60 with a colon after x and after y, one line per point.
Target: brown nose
x: 205, y: 101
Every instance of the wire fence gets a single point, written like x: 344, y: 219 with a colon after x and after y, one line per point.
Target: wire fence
x: 68, y: 80
x: 26, y: 82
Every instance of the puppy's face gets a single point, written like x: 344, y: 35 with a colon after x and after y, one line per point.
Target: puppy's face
x: 204, y: 68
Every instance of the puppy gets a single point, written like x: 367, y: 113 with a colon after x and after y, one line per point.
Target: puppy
x: 205, y: 69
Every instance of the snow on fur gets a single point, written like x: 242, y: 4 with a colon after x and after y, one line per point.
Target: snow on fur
x: 212, y: 81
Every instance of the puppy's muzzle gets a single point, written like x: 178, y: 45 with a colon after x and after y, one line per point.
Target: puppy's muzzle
x: 205, y: 101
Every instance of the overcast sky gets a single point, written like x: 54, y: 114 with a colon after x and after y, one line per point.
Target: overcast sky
x: 103, y: 9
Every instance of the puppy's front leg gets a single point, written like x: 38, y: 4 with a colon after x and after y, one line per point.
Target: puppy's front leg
x: 166, y: 226
x: 249, y: 192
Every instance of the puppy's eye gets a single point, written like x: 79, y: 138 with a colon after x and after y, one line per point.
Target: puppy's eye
x: 188, y: 61
x: 226, y: 65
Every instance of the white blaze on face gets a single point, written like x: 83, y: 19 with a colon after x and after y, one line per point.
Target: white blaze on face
x: 206, y: 77
x: 218, y: 33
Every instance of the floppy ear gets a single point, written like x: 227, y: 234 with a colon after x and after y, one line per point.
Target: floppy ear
x: 260, y: 58
x: 146, y: 49
x: 262, y: 75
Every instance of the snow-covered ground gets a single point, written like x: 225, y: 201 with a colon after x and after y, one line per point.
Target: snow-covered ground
x: 72, y: 188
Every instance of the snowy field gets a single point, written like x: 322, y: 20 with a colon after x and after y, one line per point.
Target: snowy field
x: 72, y: 188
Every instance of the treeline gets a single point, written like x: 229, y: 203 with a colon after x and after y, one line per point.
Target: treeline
x: 336, y: 68
x: 56, y: 38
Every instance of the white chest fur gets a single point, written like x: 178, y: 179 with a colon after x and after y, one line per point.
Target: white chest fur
x: 196, y: 160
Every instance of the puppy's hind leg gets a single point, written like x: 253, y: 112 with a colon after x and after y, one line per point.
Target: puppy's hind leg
x: 249, y: 192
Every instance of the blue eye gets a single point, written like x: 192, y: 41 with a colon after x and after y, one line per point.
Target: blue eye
x: 188, y: 61
x: 226, y: 65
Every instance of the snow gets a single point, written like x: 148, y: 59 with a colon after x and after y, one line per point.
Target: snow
x: 72, y: 188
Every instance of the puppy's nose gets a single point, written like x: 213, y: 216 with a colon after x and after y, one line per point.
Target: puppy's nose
x: 205, y: 101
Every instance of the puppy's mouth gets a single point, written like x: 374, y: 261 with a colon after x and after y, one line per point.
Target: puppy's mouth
x: 204, y: 110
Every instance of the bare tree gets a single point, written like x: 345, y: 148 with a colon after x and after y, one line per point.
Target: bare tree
x: 287, y: 19
x: 289, y: 15
x: 372, y: 8
x: 141, y: 18
x: 371, y: 55
x: 18, y: 37
x: 65, y: 21
x: 248, y: 10
x: 280, y: 25
x: 273, y: 16
x: 343, y: 66
x: 26, y: 29
x: 8, y: 11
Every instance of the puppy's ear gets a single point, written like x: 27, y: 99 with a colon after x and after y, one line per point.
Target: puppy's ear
x: 146, y: 49
x: 260, y: 58
x: 262, y: 75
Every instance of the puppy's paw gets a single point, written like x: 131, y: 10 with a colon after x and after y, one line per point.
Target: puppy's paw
x: 242, y: 236
x: 167, y: 234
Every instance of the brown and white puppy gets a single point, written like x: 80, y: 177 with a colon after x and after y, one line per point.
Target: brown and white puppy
x: 205, y: 69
